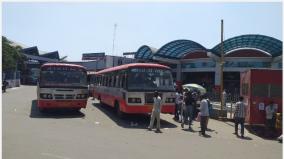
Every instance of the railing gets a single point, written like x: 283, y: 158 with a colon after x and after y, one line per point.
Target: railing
x: 231, y: 99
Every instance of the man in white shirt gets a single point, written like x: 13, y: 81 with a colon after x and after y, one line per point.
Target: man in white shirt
x: 177, y: 104
x: 157, y: 106
x: 239, y: 116
x: 204, y: 113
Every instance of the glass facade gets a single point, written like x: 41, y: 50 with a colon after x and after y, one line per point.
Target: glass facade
x: 198, y: 65
x: 247, y: 64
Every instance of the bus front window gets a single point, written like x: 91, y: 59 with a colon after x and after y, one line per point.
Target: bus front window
x: 64, y: 78
x: 150, y: 79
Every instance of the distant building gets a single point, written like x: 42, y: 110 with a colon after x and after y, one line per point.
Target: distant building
x: 102, y: 62
x: 193, y: 63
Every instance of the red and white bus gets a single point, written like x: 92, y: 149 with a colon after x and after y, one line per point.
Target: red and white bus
x: 62, y: 86
x: 130, y: 88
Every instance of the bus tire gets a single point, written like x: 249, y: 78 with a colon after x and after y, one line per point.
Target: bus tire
x: 119, y: 113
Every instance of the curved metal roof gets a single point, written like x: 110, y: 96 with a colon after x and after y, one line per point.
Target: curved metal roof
x: 252, y: 41
x: 145, y: 52
x: 179, y: 48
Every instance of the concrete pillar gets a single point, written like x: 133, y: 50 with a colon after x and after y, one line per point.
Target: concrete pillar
x: 217, y: 74
x: 178, y: 76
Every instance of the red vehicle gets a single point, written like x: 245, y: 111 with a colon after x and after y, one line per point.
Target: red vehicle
x: 130, y: 88
x: 259, y: 87
x: 62, y: 86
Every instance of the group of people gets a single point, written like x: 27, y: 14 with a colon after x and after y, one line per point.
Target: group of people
x: 186, y: 110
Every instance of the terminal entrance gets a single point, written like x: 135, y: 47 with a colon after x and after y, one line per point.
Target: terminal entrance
x: 205, y: 79
x: 232, y: 82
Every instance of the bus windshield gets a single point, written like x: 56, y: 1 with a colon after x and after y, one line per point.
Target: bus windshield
x: 63, y: 78
x: 150, y: 79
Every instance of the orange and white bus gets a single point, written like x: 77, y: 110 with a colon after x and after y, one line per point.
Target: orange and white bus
x: 130, y: 88
x: 62, y: 86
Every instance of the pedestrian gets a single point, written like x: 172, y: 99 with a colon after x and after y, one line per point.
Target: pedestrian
x: 224, y: 99
x: 156, y: 112
x: 239, y: 116
x: 178, y: 103
x: 4, y: 85
x: 204, y: 113
x: 195, y: 96
x: 188, y: 108
x: 270, y: 114
x: 209, y: 110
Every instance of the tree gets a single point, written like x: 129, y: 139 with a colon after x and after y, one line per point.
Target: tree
x: 12, y: 58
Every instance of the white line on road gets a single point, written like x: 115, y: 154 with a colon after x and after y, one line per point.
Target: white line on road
x: 54, y: 156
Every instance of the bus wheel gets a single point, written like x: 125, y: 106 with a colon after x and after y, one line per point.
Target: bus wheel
x: 119, y: 113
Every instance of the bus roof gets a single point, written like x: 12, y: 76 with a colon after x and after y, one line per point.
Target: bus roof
x: 62, y: 64
x: 126, y: 66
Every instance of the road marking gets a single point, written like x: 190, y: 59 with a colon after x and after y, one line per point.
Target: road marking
x: 54, y: 156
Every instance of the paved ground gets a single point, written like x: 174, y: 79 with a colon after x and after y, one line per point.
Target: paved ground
x: 95, y: 132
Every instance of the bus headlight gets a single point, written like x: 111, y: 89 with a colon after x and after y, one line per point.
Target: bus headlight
x: 82, y: 96
x: 170, y: 100
x: 45, y: 96
x: 134, y: 100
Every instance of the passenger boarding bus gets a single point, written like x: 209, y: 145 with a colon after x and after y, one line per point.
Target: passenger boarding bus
x: 130, y: 88
x: 62, y: 86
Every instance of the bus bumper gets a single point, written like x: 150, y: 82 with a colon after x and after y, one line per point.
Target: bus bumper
x: 62, y: 103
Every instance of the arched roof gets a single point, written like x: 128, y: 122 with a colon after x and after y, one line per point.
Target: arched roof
x: 145, y: 52
x: 179, y: 48
x: 251, y: 41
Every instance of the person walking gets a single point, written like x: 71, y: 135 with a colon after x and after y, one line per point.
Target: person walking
x: 188, y: 109
x: 156, y: 112
x: 204, y: 113
x: 4, y: 85
x: 270, y: 115
x: 178, y: 103
x: 239, y: 116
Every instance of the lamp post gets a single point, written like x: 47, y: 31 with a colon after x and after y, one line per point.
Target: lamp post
x: 222, y: 67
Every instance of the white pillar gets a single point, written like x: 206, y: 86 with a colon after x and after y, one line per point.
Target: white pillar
x: 217, y: 75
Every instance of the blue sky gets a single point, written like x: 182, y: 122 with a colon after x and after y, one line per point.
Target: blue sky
x: 76, y: 28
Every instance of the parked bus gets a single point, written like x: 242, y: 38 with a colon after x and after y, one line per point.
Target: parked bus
x: 62, y: 86
x: 130, y: 88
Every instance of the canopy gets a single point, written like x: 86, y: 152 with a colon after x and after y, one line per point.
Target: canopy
x: 193, y: 86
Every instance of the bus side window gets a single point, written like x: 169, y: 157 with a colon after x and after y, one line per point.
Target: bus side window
x: 113, y: 81
x: 117, y: 81
x: 122, y: 81
x: 110, y: 80
x: 104, y: 81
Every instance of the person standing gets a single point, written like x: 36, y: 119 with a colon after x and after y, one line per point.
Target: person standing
x: 188, y: 109
x: 177, y: 104
x: 156, y: 112
x: 239, y: 116
x: 270, y: 114
x: 204, y: 113
x: 224, y: 99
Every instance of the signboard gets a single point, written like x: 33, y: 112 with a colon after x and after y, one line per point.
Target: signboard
x: 93, y: 56
x: 62, y: 68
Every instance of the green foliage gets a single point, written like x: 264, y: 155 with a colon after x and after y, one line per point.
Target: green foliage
x: 11, y: 56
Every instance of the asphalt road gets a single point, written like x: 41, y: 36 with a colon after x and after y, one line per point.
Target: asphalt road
x: 96, y: 133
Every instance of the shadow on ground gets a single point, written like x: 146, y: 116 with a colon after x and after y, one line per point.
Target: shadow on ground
x: 134, y: 121
x: 261, y: 131
x: 57, y: 114
x: 257, y: 130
